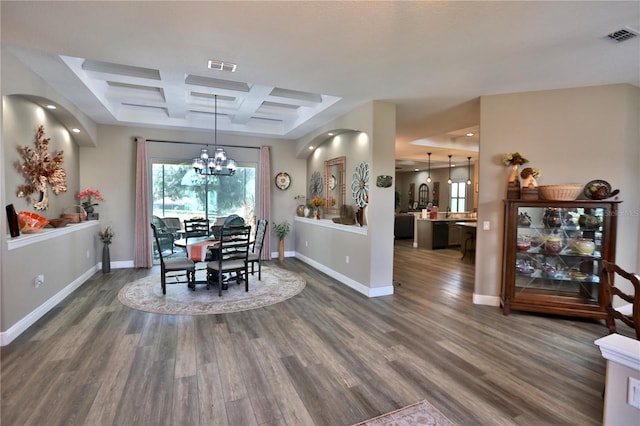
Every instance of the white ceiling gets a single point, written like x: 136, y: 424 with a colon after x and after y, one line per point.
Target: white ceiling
x: 302, y: 64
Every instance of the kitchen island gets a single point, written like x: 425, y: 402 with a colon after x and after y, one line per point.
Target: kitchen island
x: 441, y: 232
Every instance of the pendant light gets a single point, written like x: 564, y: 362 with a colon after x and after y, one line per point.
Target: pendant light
x: 449, y: 180
x: 219, y: 164
x: 468, y: 170
x: 429, y: 173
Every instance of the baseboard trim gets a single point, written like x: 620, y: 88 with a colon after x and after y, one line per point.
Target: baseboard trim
x: 359, y: 287
x: 18, y: 328
x: 482, y: 299
x: 274, y: 255
x: 122, y: 264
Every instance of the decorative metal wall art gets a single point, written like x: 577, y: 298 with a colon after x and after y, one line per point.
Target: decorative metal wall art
x: 316, y: 184
x: 360, y: 185
x: 41, y: 169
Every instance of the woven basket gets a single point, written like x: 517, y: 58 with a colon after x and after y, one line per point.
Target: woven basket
x: 566, y: 192
x: 75, y: 217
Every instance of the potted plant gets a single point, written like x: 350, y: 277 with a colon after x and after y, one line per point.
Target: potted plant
x: 88, y: 199
x: 281, y: 230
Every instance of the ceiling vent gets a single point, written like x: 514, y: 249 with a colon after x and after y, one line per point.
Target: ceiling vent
x: 221, y: 65
x: 623, y: 34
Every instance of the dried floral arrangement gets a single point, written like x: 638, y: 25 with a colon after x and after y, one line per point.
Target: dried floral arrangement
x: 317, y: 201
x: 40, y: 170
x: 513, y: 159
x: 107, y: 235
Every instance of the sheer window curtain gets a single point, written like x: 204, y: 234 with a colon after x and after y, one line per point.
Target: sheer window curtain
x: 142, y: 251
x: 264, y: 198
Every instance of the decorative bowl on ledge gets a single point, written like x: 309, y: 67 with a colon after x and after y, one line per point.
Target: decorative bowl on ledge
x: 30, y: 222
x: 60, y: 222
x: 566, y: 192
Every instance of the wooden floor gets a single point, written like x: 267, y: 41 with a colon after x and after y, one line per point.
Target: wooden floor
x: 328, y: 356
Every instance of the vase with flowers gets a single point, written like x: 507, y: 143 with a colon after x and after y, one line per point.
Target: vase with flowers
x: 316, y: 203
x: 106, y: 236
x: 514, y: 160
x: 88, y: 199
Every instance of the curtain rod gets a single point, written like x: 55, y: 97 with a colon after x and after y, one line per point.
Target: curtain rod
x: 203, y: 144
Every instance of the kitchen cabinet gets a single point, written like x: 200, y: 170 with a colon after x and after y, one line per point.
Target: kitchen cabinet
x: 440, y: 233
x: 433, y: 234
x: 553, y: 252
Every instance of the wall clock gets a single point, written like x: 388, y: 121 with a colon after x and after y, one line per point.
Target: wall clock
x: 283, y: 180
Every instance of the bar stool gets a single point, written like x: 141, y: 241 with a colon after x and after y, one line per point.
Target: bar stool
x: 469, y: 244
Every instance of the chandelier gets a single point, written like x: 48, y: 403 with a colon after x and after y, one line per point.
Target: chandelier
x: 217, y: 164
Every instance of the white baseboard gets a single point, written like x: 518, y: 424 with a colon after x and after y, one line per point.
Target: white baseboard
x: 274, y: 255
x: 481, y: 299
x: 359, y: 287
x: 18, y: 328
x: 119, y: 265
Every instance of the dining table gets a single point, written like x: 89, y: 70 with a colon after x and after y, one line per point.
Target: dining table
x: 197, y: 248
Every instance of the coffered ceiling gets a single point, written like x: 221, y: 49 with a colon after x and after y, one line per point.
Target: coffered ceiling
x: 300, y: 65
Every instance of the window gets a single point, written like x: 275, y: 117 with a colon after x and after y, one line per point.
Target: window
x: 458, y: 197
x: 178, y: 191
x: 423, y: 196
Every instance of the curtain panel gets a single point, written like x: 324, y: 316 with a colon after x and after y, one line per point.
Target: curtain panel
x: 264, y: 191
x: 142, y: 249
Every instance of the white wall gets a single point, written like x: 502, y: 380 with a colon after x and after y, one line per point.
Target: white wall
x: 372, y: 252
x: 571, y: 135
x: 62, y: 260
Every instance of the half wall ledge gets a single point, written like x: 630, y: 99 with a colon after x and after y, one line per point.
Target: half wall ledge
x: 361, y: 230
x: 25, y: 240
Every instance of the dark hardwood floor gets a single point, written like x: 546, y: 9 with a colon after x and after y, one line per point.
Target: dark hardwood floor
x: 328, y: 356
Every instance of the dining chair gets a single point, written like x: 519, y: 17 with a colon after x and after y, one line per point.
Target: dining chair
x: 628, y: 313
x: 255, y: 255
x: 165, y: 240
x: 196, y: 228
x: 176, y: 264
x: 232, y: 257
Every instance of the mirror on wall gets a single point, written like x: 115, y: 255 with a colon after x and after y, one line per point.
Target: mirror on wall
x: 335, y: 184
x: 423, y: 196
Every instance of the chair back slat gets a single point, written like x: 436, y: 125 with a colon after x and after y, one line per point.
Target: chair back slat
x: 195, y: 228
x: 234, y: 243
x: 261, y: 229
x: 155, y: 236
x: 611, y: 271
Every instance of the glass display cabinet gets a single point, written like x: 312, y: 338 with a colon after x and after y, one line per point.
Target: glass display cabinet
x: 552, y: 255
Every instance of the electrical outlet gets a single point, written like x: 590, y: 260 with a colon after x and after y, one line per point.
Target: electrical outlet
x: 346, y: 259
x: 38, y: 281
x: 306, y: 243
x: 486, y: 225
x: 633, y: 392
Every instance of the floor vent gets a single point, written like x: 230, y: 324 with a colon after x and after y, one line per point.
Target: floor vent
x: 623, y: 34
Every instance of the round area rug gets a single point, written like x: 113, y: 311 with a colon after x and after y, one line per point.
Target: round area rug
x: 276, y: 285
